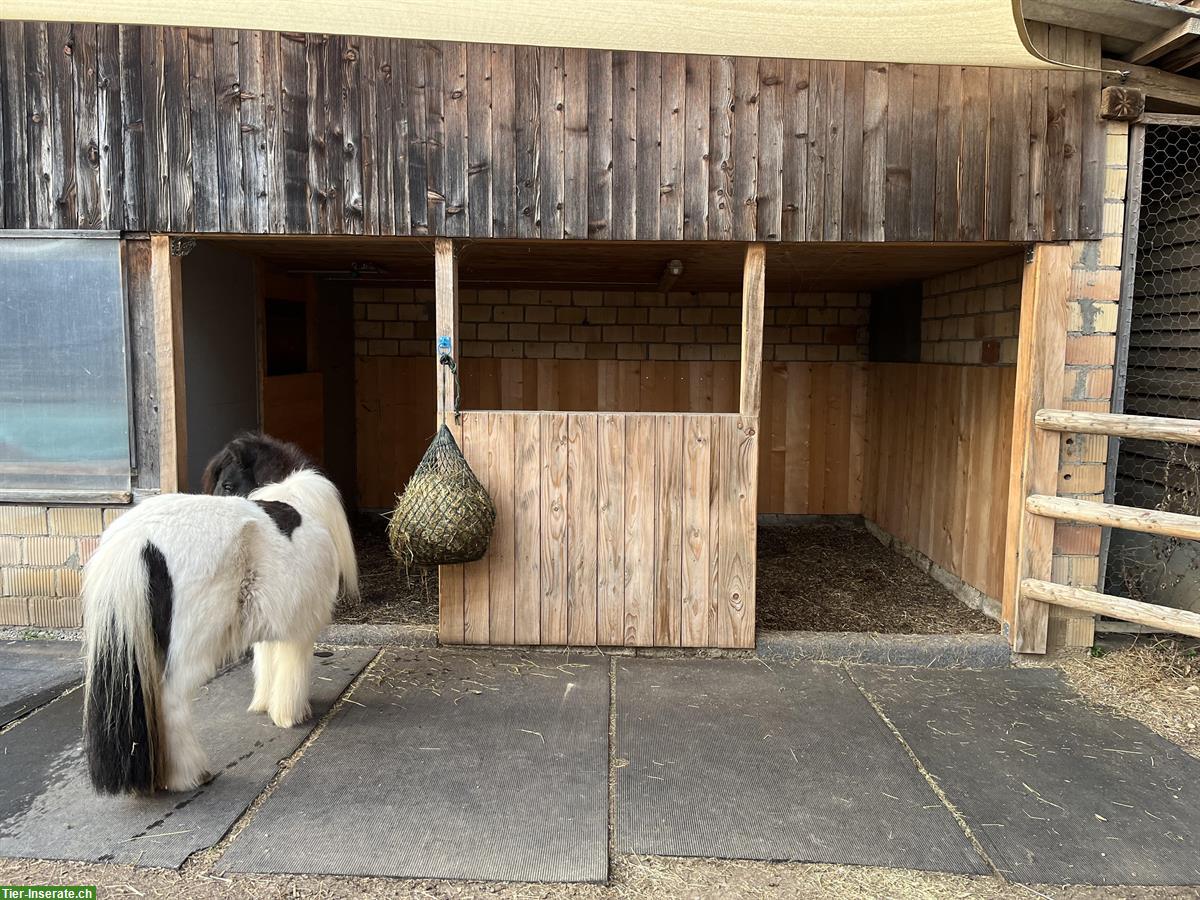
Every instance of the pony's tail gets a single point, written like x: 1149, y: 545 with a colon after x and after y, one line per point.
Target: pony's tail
x: 127, y: 618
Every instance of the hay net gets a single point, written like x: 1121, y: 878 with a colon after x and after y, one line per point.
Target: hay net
x: 445, y: 516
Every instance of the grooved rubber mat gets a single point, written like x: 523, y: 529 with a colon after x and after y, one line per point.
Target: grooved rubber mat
x: 477, y: 765
x: 1056, y: 791
x: 48, y: 809
x: 32, y: 672
x: 738, y: 760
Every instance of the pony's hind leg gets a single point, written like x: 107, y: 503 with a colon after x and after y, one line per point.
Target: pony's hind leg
x: 291, y: 661
x: 185, y: 761
x: 264, y: 670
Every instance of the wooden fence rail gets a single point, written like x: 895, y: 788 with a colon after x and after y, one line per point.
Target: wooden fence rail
x: 1150, y: 428
x: 1150, y: 614
x: 1131, y: 518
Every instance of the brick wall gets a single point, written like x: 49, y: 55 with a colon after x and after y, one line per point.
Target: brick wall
x: 522, y: 324
x: 970, y: 316
x: 42, y: 552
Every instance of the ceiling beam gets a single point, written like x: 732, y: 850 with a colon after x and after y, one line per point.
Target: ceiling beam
x: 1183, y: 33
x: 1154, y: 82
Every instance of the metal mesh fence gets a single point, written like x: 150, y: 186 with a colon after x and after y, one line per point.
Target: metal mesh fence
x: 1162, y: 374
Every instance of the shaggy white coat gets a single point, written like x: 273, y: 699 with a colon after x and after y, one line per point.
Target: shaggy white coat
x: 237, y: 580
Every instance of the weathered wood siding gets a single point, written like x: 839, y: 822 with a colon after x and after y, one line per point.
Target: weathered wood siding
x: 203, y: 130
x: 612, y: 529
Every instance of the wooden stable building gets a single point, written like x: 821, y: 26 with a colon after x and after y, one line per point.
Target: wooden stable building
x: 682, y: 290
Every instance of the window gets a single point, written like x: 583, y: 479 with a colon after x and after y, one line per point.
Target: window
x: 64, y: 382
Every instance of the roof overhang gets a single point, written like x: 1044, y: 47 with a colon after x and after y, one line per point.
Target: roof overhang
x: 947, y: 32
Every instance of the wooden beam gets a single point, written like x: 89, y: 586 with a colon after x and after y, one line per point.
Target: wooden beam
x: 1164, y: 43
x: 1154, y: 82
x: 445, y: 275
x: 1131, y: 518
x: 1147, y: 428
x: 1165, y: 617
x: 168, y: 349
x: 1041, y: 357
x: 1121, y: 104
x: 754, y: 287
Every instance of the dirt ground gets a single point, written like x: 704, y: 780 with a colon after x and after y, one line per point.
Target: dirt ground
x: 810, y: 578
x: 839, y: 578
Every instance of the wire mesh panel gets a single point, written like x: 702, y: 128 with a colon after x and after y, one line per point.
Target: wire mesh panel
x: 1162, y: 375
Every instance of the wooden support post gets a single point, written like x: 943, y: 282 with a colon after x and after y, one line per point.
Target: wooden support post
x: 445, y: 275
x: 754, y: 288
x: 1041, y: 357
x: 168, y: 349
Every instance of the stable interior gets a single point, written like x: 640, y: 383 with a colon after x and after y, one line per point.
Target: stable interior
x: 886, y: 400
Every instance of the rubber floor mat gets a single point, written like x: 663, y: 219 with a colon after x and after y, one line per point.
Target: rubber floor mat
x: 33, y: 672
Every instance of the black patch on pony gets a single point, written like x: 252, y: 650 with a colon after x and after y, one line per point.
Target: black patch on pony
x: 285, y: 516
x: 118, y: 735
x: 161, y: 596
x: 249, y: 461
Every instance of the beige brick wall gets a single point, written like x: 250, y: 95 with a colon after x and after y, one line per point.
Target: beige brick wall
x: 818, y: 327
x: 42, y: 552
x: 970, y: 316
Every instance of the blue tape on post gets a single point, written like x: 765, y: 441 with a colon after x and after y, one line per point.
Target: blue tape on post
x: 443, y: 344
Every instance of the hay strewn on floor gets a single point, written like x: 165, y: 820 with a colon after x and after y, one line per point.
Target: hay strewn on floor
x: 389, y: 594
x: 815, y: 577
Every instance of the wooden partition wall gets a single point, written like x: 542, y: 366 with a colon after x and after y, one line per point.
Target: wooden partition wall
x: 937, y: 473
x: 615, y: 529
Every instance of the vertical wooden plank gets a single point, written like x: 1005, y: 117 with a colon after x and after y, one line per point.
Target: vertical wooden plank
x: 818, y: 436
x: 696, y: 595
x: 874, y: 152
x: 599, y: 142
x: 317, y: 74
x: 1091, y: 154
x: 348, y: 124
x: 1038, y: 122
x: 649, y: 153
x: 582, y: 535
x: 949, y: 146
x: 273, y: 134
x: 976, y: 112
x: 478, y: 86
x: 167, y: 298
x: 898, y: 214
x: 797, y: 431
x: 852, y: 151
x: 1054, y: 195
x: 293, y: 122
x: 744, y: 151
x: 527, y: 139
x: 623, y: 224
x: 206, y: 207
x: 63, y: 183
x: 735, y: 611
x: 795, y: 150
x: 639, y: 531
x: 527, y: 519
x: 451, y: 582
x: 434, y: 111
x: 445, y: 275
x: 754, y: 283
x: 720, y: 164
x: 1000, y: 151
x: 252, y: 124
x: 15, y: 142
x: 376, y: 153
x: 610, y: 543
x: 227, y: 126
x: 819, y: 103
x: 672, y: 138
x: 501, y: 556
x: 697, y: 78
x: 550, y: 163
x: 668, y: 531
x: 835, y: 148
x: 575, y: 144
x: 178, y: 176
x: 554, y: 547
x: 415, y: 86
x: 1075, y: 52
x: 86, y: 90
x: 455, y: 89
x: 858, y: 433
x: 1021, y: 90
x: 771, y: 105
x: 108, y: 125
x: 924, y: 152
x: 504, y: 122
x: 37, y: 108
x: 477, y: 575
x: 1041, y: 355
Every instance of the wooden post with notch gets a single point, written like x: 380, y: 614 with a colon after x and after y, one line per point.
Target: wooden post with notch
x: 754, y: 287
x: 168, y: 350
x: 1041, y: 358
x: 445, y: 274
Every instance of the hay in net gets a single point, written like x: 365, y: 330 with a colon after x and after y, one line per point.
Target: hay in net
x: 444, y: 516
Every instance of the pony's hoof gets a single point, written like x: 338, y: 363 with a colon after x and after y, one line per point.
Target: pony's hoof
x: 290, y: 718
x: 257, y: 706
x: 184, y: 783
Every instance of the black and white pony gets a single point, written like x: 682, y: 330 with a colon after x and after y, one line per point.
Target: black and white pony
x: 184, y: 582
